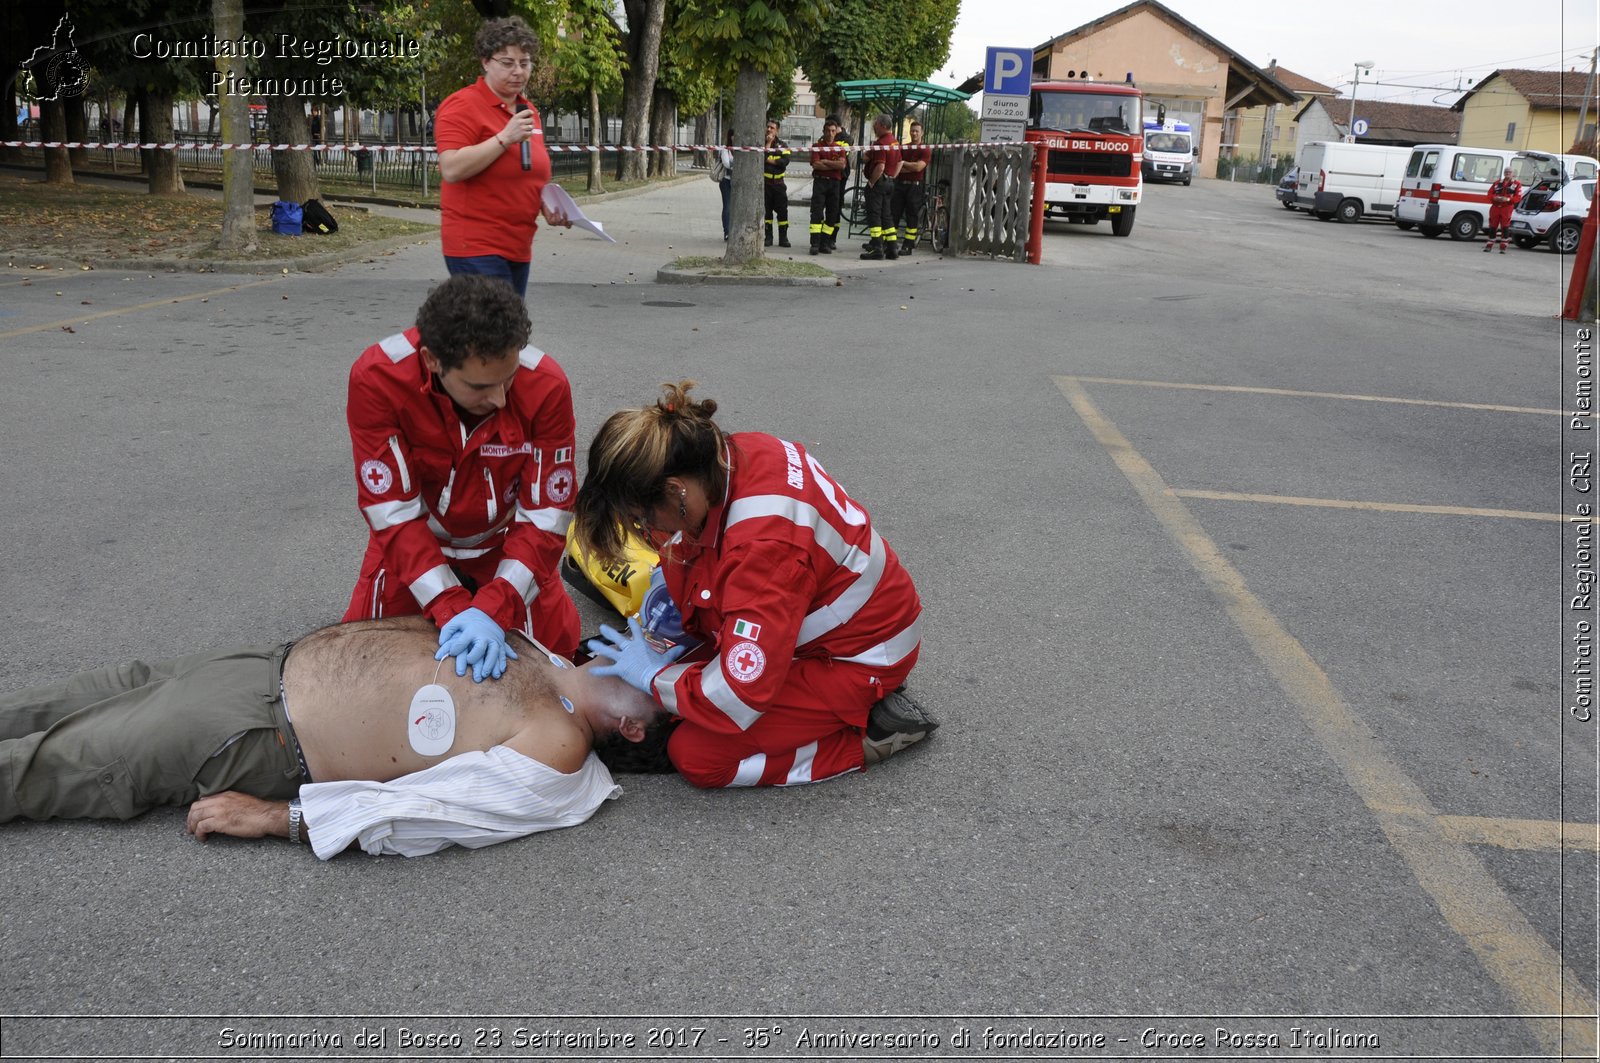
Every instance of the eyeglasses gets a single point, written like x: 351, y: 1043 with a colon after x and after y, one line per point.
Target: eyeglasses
x: 512, y: 64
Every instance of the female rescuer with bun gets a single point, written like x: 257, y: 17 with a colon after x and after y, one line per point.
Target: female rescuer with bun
x: 807, y: 620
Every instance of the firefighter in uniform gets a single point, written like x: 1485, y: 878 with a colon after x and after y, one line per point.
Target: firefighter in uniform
x: 1504, y: 195
x: 909, y: 188
x: 807, y: 620
x: 828, y: 171
x: 777, y: 156
x: 463, y: 442
x: 881, y: 165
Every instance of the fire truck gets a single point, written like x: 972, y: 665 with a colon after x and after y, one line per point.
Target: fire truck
x: 1093, y: 136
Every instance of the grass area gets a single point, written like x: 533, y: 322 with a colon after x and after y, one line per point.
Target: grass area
x: 95, y: 223
x: 763, y: 267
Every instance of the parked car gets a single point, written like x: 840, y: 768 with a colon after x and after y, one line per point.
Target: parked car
x: 1552, y: 213
x: 1350, y: 181
x: 1286, y: 187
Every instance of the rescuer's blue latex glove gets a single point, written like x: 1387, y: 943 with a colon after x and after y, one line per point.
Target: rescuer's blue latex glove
x: 633, y: 659
x: 475, y: 641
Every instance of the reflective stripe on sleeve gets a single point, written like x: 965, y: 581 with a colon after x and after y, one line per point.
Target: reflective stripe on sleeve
x: 530, y: 357
x: 750, y: 769
x: 400, y: 463
x: 714, y: 684
x: 397, y: 347
x: 384, y: 515
x: 519, y: 576
x: 666, y: 685
x: 868, y: 566
x: 554, y: 521
x: 890, y: 651
x: 432, y: 583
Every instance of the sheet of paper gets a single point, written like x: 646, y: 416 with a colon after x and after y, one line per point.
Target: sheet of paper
x: 557, y: 199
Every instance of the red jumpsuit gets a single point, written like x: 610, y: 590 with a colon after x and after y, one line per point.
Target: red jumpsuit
x: 490, y: 505
x: 1504, y: 195
x: 807, y: 618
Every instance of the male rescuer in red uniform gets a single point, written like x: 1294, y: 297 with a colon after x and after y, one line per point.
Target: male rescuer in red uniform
x: 881, y: 163
x: 828, y: 171
x: 909, y: 189
x: 1504, y: 195
x: 463, y: 441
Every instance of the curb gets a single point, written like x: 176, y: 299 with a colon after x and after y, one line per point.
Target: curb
x: 668, y: 275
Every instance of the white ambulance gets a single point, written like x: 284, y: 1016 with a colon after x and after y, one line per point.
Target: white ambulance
x: 1168, y: 151
x: 1446, y: 189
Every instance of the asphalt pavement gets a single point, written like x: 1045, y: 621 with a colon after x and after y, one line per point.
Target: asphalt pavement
x: 1240, y: 546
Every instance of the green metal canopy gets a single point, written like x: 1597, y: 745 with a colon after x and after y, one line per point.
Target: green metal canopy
x: 898, y: 93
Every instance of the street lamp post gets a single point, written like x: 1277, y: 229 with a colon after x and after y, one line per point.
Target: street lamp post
x: 1350, y: 127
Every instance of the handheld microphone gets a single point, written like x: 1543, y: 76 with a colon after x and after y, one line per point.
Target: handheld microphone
x: 527, y: 151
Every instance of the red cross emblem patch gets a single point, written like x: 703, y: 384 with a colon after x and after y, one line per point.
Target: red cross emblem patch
x: 376, y: 476
x: 746, y: 662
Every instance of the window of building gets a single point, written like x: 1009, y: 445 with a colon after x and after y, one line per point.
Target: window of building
x: 1511, y: 132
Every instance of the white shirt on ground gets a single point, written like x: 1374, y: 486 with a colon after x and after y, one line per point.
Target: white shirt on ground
x: 473, y: 799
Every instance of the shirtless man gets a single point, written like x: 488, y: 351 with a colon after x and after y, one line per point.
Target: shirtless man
x: 365, y: 740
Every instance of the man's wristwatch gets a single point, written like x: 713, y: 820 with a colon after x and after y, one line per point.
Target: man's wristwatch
x: 295, y: 813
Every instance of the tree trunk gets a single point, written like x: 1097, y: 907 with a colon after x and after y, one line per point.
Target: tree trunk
x: 595, y: 187
x: 57, y: 163
x: 639, y: 84
x: 130, y: 116
x: 352, y: 125
x: 77, y: 129
x: 287, y: 123
x: 749, y: 127
x: 238, y: 167
x: 155, y: 127
x: 663, y: 126
x: 10, y: 129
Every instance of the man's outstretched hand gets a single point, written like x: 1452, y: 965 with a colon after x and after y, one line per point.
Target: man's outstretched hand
x: 240, y: 815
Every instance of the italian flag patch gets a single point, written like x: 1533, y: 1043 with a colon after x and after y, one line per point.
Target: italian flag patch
x: 744, y: 629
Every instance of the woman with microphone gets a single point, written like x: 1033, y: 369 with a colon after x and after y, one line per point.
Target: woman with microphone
x: 493, y: 161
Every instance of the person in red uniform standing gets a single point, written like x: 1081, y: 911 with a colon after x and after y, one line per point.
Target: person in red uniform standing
x: 1504, y: 195
x: 808, y: 622
x: 909, y: 191
x: 463, y: 442
x: 830, y: 165
x: 493, y: 161
x: 882, y: 165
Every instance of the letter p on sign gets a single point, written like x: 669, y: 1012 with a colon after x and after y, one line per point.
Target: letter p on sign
x: 1007, y: 71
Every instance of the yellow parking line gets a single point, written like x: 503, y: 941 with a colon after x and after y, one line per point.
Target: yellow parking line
x: 64, y: 322
x: 1545, y: 835
x: 1467, y: 896
x: 1325, y: 395
x: 1383, y: 507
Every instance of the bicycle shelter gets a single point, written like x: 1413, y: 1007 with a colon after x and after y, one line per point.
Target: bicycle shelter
x: 899, y: 98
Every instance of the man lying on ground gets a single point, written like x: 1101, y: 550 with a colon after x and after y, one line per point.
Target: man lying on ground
x: 353, y: 734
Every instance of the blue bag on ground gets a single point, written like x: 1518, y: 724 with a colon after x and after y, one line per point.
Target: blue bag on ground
x: 286, y: 218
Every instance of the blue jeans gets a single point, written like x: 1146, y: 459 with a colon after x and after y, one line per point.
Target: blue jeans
x: 513, y: 273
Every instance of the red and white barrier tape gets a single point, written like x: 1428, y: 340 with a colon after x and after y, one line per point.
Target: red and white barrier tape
x: 432, y: 150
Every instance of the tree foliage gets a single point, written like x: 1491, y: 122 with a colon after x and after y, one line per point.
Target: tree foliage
x: 878, y: 39
x: 758, y: 41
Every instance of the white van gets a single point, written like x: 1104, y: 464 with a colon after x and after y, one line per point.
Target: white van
x: 1446, y: 189
x: 1349, y: 181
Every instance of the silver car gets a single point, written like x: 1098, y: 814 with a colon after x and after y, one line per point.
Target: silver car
x: 1553, y: 213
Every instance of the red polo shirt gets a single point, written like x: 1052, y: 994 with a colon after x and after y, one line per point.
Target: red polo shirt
x: 494, y: 212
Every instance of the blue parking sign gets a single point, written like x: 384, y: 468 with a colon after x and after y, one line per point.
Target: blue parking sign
x: 1008, y: 71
